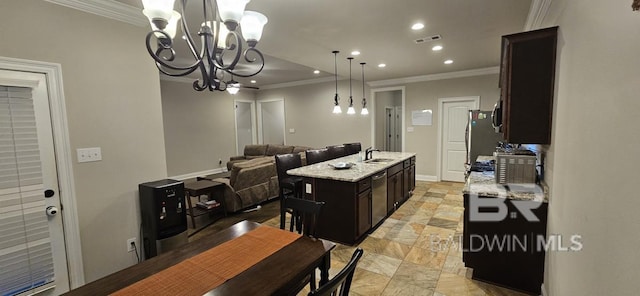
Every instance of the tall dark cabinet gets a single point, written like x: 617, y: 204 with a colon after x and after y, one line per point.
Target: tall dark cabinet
x: 527, y: 75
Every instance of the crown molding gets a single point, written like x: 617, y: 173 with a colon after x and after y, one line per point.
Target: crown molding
x: 107, y: 8
x: 537, y: 13
x: 298, y: 83
x: 432, y: 77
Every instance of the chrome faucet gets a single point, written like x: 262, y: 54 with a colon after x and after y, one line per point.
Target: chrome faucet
x: 368, y: 154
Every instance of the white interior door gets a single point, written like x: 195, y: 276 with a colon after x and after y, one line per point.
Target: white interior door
x: 32, y: 244
x: 271, y: 125
x: 245, y: 124
x: 454, y: 120
x: 389, y: 129
x: 398, y: 129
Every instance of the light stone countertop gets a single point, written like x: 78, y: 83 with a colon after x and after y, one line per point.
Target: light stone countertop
x: 359, y: 171
x: 484, y: 184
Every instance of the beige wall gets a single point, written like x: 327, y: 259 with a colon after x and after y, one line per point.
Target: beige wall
x: 113, y: 101
x: 198, y: 127
x: 594, y: 154
x: 308, y: 111
x: 424, y: 95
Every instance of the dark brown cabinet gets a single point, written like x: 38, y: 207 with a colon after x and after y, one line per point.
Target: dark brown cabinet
x: 395, y: 195
x: 409, y: 177
x: 364, y: 212
x: 519, y: 263
x: 527, y: 75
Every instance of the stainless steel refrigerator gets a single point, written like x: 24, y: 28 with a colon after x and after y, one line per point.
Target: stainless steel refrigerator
x: 481, y: 138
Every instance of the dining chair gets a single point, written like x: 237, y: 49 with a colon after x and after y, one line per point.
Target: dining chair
x: 304, y: 214
x: 352, y: 148
x: 290, y: 186
x: 340, y: 284
x: 317, y: 155
x: 303, y: 220
x: 336, y: 151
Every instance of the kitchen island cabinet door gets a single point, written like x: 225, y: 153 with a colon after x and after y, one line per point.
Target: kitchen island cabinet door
x: 364, y: 212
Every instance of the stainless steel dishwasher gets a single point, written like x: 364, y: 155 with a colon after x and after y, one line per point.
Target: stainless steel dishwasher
x: 379, y: 200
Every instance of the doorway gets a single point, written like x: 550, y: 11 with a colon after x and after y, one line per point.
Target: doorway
x: 245, y: 124
x: 392, y: 129
x: 271, y: 123
x: 41, y: 242
x: 388, y: 119
x: 451, y: 136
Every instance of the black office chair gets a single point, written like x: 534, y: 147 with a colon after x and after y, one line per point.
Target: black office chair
x: 304, y: 214
x: 341, y: 283
x: 317, y: 155
x: 290, y: 186
x: 352, y: 148
x: 336, y: 151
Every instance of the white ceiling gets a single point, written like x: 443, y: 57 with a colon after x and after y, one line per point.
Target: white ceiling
x: 301, y: 34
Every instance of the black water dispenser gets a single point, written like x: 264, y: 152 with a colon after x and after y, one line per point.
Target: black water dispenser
x: 164, y: 219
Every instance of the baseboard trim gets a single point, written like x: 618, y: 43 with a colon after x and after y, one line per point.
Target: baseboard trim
x: 426, y: 178
x: 198, y: 174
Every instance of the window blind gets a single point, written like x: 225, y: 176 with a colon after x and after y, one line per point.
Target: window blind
x: 26, y: 260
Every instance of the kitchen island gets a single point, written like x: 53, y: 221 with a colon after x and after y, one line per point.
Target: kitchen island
x: 360, y: 197
x: 504, y: 231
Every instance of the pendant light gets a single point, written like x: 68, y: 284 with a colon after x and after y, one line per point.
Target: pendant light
x: 364, y: 99
x: 336, y: 99
x: 350, y: 110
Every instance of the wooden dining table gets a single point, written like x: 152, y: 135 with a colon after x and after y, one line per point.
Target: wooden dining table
x: 279, y: 273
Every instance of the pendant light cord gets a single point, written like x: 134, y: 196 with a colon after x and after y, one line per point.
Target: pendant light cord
x: 350, y: 92
x: 335, y: 69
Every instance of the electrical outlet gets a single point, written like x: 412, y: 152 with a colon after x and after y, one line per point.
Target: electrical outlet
x: 130, y: 243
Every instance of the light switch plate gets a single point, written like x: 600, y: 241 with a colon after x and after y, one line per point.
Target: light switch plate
x: 89, y: 154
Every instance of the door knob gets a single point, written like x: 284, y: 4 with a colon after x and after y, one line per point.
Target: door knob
x: 52, y: 211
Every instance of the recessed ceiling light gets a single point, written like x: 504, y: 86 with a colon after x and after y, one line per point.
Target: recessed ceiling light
x: 253, y: 81
x: 417, y: 26
x: 448, y: 62
x: 437, y: 48
x: 355, y: 53
x: 316, y: 72
x: 382, y: 65
x: 184, y: 37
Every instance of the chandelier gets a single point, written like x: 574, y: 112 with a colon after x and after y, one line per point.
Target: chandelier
x: 221, y: 46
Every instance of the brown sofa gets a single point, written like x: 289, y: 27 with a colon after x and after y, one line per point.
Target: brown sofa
x: 264, y: 150
x: 251, y: 182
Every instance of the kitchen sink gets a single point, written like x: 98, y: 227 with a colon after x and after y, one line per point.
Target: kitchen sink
x: 377, y: 160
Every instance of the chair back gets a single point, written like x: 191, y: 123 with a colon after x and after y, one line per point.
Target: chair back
x: 304, y: 214
x: 352, y: 148
x: 336, y: 151
x: 285, y: 162
x: 317, y: 155
x: 341, y: 283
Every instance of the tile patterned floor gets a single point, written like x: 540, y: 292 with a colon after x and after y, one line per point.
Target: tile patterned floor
x: 411, y: 252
